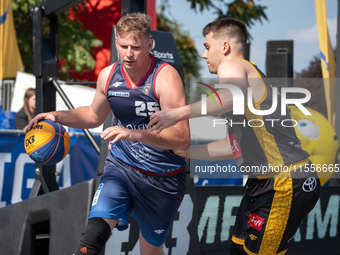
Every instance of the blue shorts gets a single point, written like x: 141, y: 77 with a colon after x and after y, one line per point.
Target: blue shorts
x: 152, y: 200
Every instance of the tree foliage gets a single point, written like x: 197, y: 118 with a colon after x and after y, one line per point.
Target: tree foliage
x: 244, y: 10
x: 75, y: 43
x: 312, y: 71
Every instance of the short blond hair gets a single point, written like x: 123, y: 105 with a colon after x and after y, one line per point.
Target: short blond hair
x: 134, y: 23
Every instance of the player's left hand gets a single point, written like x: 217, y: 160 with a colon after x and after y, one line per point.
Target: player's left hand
x: 163, y: 119
x: 119, y: 133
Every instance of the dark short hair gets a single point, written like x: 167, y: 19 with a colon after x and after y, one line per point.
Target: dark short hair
x: 227, y: 27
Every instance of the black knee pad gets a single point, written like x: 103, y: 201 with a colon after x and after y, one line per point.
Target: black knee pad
x: 236, y: 249
x: 96, y: 234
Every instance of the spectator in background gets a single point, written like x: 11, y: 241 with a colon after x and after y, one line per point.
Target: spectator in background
x: 27, y: 112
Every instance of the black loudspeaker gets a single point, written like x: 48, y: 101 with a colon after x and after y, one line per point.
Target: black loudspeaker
x: 246, y: 52
x: 281, y: 46
x: 279, y: 62
x: 48, y: 224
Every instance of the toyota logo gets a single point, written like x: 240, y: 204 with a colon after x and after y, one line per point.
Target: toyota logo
x: 309, y: 184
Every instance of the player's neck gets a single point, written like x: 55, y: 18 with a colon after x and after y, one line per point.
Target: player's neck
x: 234, y: 55
x: 135, y: 76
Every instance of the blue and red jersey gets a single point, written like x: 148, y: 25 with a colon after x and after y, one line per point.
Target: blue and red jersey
x: 132, y: 108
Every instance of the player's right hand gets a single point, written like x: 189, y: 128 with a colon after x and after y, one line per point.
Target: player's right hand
x: 39, y: 117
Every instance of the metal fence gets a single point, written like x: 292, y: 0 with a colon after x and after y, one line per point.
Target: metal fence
x: 6, y: 94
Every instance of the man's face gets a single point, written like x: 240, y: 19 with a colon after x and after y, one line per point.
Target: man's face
x: 213, y: 53
x: 133, y: 50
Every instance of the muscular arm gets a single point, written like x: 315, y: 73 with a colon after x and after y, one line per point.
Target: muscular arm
x: 82, y: 117
x: 236, y: 75
x: 170, y: 92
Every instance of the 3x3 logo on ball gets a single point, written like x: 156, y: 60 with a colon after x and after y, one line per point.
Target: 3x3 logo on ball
x: 30, y: 140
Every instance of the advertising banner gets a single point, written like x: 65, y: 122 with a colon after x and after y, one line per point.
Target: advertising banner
x: 17, y: 168
x: 217, y: 209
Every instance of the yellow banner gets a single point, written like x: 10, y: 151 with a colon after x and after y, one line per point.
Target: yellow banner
x: 11, y: 61
x: 327, y: 59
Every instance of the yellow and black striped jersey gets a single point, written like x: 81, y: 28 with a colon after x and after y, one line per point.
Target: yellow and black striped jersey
x: 261, y: 143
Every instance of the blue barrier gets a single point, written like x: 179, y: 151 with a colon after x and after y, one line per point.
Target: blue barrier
x: 7, y: 119
x: 17, y: 169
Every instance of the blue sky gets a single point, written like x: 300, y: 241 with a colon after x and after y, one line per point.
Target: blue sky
x: 287, y: 20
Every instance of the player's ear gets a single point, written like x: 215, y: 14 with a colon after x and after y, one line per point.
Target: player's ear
x: 226, y: 47
x: 150, y: 44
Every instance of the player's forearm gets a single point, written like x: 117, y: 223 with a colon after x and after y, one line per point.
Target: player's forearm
x: 196, y: 109
x: 219, y: 150
x: 81, y: 118
x: 183, y: 113
x: 211, y: 107
x: 170, y: 139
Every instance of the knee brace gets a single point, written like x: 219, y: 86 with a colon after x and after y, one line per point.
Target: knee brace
x: 96, y: 234
x: 236, y: 249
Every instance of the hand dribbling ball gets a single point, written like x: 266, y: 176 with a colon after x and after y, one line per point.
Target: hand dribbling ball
x: 47, y: 143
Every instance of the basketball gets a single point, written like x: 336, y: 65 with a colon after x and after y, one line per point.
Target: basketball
x: 47, y: 143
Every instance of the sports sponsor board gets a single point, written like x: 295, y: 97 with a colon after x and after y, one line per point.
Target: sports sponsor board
x: 217, y: 209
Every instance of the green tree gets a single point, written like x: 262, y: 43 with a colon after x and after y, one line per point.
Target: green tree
x: 244, y: 10
x: 312, y: 71
x: 75, y: 43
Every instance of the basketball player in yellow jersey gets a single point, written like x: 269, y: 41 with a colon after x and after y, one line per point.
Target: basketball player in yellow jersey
x: 281, y: 190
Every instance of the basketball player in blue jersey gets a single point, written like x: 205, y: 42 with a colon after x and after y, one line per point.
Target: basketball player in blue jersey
x: 142, y: 176
x: 275, y: 202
